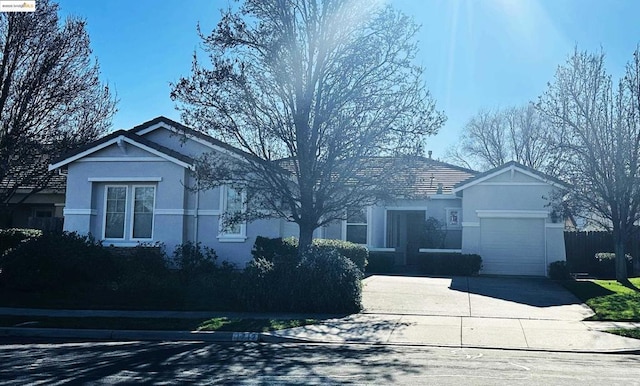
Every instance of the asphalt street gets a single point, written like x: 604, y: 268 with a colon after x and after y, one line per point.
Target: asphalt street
x: 58, y: 362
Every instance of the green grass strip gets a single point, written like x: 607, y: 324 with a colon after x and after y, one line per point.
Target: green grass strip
x: 168, y: 324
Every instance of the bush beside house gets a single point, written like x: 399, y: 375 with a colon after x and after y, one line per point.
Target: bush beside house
x: 68, y: 268
x: 277, y: 248
x: 451, y: 264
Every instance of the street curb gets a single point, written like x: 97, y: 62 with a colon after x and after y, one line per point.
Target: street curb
x: 147, y: 335
x: 634, y: 351
x: 243, y: 337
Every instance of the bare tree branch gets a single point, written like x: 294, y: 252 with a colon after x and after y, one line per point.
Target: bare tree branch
x: 317, y: 89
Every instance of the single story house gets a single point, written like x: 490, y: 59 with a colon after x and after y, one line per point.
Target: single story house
x: 132, y: 187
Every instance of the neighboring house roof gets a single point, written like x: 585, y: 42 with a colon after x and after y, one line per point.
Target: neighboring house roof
x: 128, y: 137
x: 57, y: 183
x: 511, y: 165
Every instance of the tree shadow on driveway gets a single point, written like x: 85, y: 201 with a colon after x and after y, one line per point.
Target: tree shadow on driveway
x: 537, y: 292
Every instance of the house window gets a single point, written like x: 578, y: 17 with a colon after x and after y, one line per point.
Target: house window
x: 143, y: 212
x: 115, y: 212
x: 356, y: 226
x: 453, y: 217
x: 43, y: 213
x: 232, y: 204
x: 118, y: 205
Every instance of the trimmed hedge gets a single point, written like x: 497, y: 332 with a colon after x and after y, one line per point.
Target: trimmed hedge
x: 451, y: 264
x: 558, y: 270
x: 287, y: 249
x: 604, y: 265
x: 54, y: 262
x: 11, y: 238
x: 381, y: 262
x: 321, y: 281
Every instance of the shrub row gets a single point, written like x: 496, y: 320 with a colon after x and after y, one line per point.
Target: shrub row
x: 11, y: 238
x: 287, y: 249
x: 71, y: 265
x: 381, y: 262
x: 451, y: 264
x: 558, y: 270
x: 604, y: 265
x: 322, y: 280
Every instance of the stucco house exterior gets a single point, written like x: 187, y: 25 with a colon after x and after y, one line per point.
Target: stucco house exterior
x: 133, y: 187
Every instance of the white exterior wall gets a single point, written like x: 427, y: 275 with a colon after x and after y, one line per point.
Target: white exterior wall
x: 178, y: 214
x: 511, y: 196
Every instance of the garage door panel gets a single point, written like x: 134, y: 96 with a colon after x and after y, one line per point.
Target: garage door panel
x: 512, y: 246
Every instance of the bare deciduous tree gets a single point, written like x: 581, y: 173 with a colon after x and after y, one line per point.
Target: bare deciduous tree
x: 315, y: 91
x: 600, y: 122
x: 51, y: 98
x: 494, y: 137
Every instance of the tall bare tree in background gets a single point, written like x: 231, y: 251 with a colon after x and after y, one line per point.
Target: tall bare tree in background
x: 315, y: 91
x: 600, y: 121
x: 51, y: 98
x: 494, y: 137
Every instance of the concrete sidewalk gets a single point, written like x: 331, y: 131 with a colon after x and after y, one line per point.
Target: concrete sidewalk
x: 490, y: 312
x: 461, y: 331
x: 499, y: 313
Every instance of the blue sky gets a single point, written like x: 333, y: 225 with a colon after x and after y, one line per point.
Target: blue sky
x: 477, y: 53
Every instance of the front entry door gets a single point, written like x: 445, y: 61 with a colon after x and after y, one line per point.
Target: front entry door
x: 404, y: 232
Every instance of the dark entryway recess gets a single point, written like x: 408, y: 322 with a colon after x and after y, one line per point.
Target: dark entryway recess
x: 405, y: 229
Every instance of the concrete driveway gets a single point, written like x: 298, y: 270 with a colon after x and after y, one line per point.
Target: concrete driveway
x: 493, y: 312
x: 487, y: 297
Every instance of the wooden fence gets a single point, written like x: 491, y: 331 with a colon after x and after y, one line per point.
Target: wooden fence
x: 581, y: 248
x: 47, y: 224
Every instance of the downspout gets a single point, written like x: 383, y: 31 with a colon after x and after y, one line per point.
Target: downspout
x: 546, y: 258
x: 195, y: 214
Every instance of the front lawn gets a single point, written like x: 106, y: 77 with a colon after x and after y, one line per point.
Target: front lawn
x: 168, y: 324
x: 609, y: 299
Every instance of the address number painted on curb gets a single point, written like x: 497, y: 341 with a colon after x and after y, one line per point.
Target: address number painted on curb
x: 245, y: 337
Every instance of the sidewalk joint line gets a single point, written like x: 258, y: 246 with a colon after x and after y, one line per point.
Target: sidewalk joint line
x: 524, y: 334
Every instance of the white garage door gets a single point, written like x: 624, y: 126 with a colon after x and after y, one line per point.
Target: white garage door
x: 512, y: 246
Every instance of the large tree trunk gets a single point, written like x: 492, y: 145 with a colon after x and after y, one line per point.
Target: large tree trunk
x: 306, y: 236
x: 621, y: 260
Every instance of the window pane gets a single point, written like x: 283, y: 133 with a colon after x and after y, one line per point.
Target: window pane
x: 115, y: 212
x: 143, y: 212
x: 357, y: 234
x: 233, y: 204
x: 234, y: 200
x: 453, y: 217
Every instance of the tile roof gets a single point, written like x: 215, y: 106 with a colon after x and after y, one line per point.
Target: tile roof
x: 421, y: 178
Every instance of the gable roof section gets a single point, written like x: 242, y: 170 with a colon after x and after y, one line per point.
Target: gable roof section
x: 511, y: 165
x: 128, y: 137
x: 180, y: 129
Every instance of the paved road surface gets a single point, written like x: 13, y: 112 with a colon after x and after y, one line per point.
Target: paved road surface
x: 199, y: 363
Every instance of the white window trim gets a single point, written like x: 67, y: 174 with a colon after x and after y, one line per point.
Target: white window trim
x: 512, y: 213
x: 104, y: 214
x: 231, y: 237
x: 153, y: 213
x: 345, y: 225
x: 124, y: 179
x: 448, y: 212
